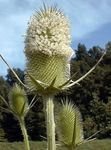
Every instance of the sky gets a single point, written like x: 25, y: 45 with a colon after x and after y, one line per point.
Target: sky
x: 90, y: 22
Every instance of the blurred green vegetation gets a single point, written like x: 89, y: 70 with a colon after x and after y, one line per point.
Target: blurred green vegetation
x: 93, y: 145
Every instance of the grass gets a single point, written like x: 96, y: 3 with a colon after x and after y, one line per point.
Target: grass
x: 93, y: 145
x: 96, y: 145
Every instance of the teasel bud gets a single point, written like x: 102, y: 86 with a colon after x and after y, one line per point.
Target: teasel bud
x: 18, y: 101
x: 47, y: 49
x: 69, y: 125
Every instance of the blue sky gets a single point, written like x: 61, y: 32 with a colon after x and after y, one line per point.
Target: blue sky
x: 90, y: 24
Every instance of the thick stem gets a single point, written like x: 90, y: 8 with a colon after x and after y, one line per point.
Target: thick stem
x: 50, y: 123
x: 71, y: 147
x: 24, y: 132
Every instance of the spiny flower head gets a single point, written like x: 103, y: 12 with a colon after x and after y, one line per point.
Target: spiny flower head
x: 69, y: 125
x: 47, y: 48
x: 18, y: 101
x: 48, y: 32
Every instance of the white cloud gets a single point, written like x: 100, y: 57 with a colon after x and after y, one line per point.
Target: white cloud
x: 86, y: 16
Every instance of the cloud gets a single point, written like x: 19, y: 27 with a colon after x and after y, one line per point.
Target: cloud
x: 85, y: 17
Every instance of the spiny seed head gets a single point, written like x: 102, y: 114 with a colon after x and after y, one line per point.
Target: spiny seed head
x: 18, y: 101
x: 47, y: 47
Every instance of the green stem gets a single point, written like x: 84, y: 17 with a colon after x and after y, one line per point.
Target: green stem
x: 24, y: 132
x: 50, y: 123
x: 71, y: 147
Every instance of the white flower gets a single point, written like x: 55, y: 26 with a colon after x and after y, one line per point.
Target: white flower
x: 48, y: 33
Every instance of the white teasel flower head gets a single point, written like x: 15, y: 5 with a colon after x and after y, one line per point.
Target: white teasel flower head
x: 47, y: 48
x: 49, y: 33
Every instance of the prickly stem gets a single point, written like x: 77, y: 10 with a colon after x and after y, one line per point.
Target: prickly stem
x: 24, y: 132
x: 49, y: 106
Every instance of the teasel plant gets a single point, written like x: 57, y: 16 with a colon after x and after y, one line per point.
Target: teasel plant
x: 69, y: 126
x: 48, y: 54
x: 47, y: 49
x: 19, y: 107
